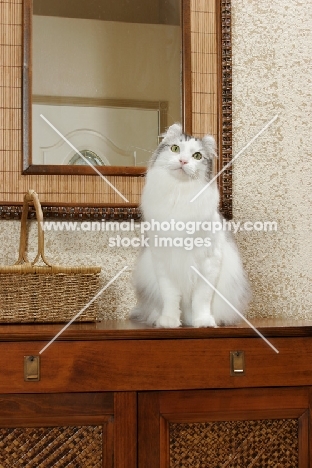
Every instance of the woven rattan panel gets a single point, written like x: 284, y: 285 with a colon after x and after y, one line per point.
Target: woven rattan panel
x: 46, y: 447
x: 47, y: 298
x: 235, y: 444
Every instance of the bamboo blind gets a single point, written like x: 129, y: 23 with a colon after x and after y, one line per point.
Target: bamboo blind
x: 91, y: 189
x: 204, y: 67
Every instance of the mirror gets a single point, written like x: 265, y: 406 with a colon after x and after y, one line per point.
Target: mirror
x: 205, y: 105
x: 106, y: 82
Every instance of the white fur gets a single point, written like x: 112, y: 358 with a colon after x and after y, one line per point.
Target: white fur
x: 169, y: 291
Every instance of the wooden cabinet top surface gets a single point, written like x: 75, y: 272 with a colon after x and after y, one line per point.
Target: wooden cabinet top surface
x: 130, y: 330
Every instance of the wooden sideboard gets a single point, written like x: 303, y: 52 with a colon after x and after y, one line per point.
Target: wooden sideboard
x: 119, y: 394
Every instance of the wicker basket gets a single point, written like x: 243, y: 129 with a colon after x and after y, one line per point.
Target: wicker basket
x: 45, y: 293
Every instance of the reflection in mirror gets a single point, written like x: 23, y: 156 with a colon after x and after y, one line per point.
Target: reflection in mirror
x: 106, y: 77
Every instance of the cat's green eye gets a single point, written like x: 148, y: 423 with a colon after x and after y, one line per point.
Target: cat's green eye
x: 197, y: 155
x: 175, y: 148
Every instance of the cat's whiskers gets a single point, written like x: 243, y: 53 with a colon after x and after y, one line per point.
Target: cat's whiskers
x: 166, y: 165
x: 192, y: 173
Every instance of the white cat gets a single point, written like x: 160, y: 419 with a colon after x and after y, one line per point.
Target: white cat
x: 169, y: 291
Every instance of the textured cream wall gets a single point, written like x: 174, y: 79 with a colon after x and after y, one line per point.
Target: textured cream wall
x: 272, y: 43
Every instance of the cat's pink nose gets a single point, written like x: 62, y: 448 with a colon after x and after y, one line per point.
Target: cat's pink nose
x: 183, y: 161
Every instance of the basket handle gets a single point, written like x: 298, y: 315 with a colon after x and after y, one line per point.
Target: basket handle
x: 31, y: 197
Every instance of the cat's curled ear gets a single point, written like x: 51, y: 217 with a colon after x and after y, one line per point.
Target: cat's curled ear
x: 174, y: 131
x: 209, y: 144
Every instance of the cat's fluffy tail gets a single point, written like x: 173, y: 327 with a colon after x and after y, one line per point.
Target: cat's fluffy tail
x: 232, y: 285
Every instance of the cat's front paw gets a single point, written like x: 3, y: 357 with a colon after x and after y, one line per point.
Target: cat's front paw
x: 135, y: 313
x: 206, y: 321
x: 164, y: 321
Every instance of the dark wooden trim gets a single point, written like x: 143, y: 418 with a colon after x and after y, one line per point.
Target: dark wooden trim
x: 54, y: 421
x: 125, y: 429
x: 108, y: 444
x: 303, y: 440
x: 130, y: 330
x: 40, y: 410
x: 218, y: 12
x: 255, y: 414
x: 186, y: 67
x: 63, y: 405
x: 66, y: 211
x: 164, y: 442
x: 177, y: 405
x: 225, y: 106
x: 148, y: 430
x: 55, y: 169
x: 310, y: 427
x: 99, y: 102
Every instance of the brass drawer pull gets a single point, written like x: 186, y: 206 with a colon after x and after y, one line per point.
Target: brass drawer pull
x: 31, y: 368
x: 237, y: 363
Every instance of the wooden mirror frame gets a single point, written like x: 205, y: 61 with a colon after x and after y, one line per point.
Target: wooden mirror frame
x: 191, y: 117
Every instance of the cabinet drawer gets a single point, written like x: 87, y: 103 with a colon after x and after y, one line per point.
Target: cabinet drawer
x: 116, y: 365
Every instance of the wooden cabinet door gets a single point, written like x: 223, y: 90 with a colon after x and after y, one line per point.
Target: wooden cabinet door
x: 267, y: 427
x: 82, y: 430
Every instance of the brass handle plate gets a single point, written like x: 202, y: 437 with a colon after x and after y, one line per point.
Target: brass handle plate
x: 31, y: 368
x: 237, y: 363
